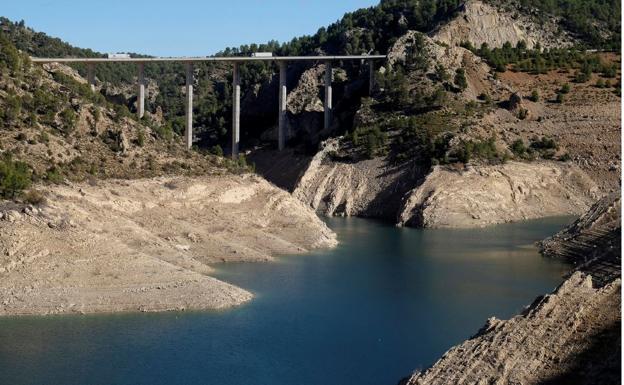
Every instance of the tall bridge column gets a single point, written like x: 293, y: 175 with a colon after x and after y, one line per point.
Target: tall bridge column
x: 371, y: 77
x: 235, y: 111
x: 91, y: 75
x: 141, y: 91
x: 188, y: 133
x: 328, y: 94
x: 283, y: 93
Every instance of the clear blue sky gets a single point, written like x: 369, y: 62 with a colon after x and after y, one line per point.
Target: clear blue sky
x: 176, y: 27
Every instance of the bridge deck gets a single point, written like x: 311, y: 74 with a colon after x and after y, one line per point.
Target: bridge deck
x: 203, y: 59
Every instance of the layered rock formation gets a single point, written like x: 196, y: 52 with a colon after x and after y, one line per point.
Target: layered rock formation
x: 593, y: 242
x: 478, y: 22
x: 569, y: 336
x: 486, y: 195
x: 145, y: 244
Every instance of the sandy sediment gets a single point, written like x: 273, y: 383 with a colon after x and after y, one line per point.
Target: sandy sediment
x: 145, y: 245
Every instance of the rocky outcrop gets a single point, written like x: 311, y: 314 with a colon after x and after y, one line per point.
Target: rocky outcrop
x: 451, y: 58
x: 593, y: 242
x: 478, y: 22
x: 476, y: 196
x: 487, y: 195
x: 570, y: 336
x: 367, y: 188
x: 145, y: 245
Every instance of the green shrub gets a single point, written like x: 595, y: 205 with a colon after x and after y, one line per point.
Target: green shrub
x: 460, y: 79
x: 518, y: 148
x: 140, y: 140
x: 565, y: 88
x: 53, y: 175
x: 12, y: 109
x: 68, y: 118
x: 482, y: 149
x: 34, y: 197
x: 560, y: 98
x: 15, y: 176
x: 535, y: 96
x: 164, y: 132
x: 216, y: 150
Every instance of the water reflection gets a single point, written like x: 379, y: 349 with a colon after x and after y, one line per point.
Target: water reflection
x: 386, y: 301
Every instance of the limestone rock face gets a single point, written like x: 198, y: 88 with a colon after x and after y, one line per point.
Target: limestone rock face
x: 487, y: 195
x: 478, y: 22
x: 593, y: 240
x: 367, y: 188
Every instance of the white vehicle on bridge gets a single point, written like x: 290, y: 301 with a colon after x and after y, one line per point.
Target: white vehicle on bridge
x: 262, y: 54
x: 118, y: 56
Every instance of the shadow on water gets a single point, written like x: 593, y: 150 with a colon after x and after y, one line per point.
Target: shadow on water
x: 383, y: 303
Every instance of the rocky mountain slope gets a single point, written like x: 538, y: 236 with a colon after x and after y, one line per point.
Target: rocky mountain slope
x: 73, y: 239
x: 592, y: 242
x: 411, y: 193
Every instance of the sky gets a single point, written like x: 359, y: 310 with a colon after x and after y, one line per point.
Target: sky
x: 176, y: 27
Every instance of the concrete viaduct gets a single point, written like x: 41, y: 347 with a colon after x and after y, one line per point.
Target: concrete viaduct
x: 236, y: 91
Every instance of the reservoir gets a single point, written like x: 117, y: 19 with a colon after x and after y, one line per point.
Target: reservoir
x: 385, y: 302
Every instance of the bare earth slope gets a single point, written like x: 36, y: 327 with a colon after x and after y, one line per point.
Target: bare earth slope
x: 145, y: 244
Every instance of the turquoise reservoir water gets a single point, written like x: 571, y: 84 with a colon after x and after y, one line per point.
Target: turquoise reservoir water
x: 385, y: 302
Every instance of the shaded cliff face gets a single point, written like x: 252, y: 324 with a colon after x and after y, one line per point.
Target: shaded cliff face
x: 368, y: 188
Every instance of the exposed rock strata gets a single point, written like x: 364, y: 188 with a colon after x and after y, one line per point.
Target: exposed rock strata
x: 479, y: 22
x: 593, y: 241
x: 368, y: 188
x: 145, y: 244
x: 572, y: 334
x: 487, y: 195
x: 477, y: 196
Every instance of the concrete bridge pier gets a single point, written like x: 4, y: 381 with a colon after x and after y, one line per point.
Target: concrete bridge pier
x: 91, y: 75
x: 235, y: 110
x: 188, y: 133
x: 283, y: 93
x: 141, y: 91
x: 371, y: 77
x: 328, y: 94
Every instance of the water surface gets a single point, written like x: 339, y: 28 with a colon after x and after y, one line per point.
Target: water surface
x: 385, y: 302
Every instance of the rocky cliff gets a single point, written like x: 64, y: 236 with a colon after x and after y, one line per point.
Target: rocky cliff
x: 485, y: 195
x: 476, y: 196
x: 480, y: 23
x: 592, y: 242
x: 570, y: 336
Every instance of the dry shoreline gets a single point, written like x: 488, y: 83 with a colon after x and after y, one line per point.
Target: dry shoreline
x: 145, y: 245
